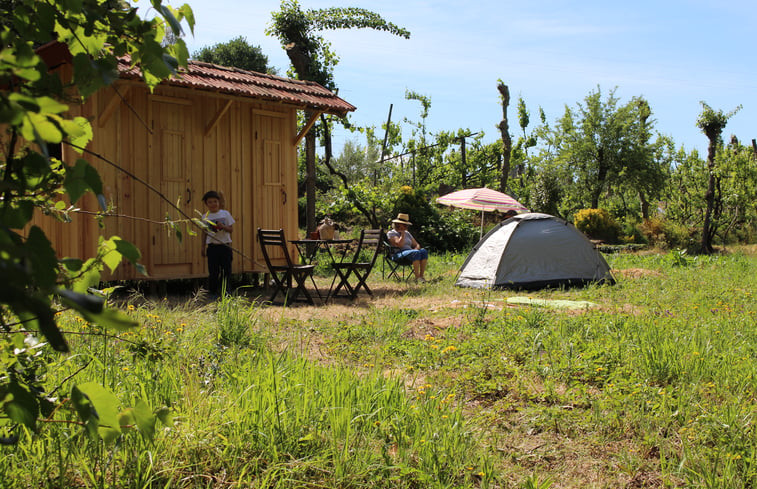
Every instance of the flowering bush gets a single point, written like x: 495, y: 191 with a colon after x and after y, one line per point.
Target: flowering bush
x: 597, y: 224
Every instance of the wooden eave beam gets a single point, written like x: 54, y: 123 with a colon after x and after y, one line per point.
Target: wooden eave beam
x: 313, y: 117
x: 217, y: 117
x: 113, y: 103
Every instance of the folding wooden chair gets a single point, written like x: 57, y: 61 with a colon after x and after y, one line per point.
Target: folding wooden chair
x: 274, y: 247
x: 398, y: 268
x: 371, y: 240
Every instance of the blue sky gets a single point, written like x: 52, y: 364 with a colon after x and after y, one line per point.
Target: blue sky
x: 675, y: 53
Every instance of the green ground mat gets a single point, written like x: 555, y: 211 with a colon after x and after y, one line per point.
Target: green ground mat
x: 556, y: 303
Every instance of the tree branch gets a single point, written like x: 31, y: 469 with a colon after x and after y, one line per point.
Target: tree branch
x: 327, y: 161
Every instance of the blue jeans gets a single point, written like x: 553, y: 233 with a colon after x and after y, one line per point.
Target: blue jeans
x: 412, y: 255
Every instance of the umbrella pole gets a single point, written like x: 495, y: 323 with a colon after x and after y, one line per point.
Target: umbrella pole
x: 481, y: 233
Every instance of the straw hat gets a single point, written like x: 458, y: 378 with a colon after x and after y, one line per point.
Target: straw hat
x: 402, y: 218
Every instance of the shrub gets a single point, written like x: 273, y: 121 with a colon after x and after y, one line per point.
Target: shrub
x: 445, y: 230
x: 668, y: 235
x: 597, y: 224
x: 631, y: 232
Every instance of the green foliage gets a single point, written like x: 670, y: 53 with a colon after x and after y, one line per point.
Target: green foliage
x: 546, y: 191
x: 712, y: 122
x: 597, y: 224
x: 237, y: 53
x: 734, y: 192
x: 667, y: 234
x: 236, y: 322
x: 312, y: 59
x: 448, y: 230
x: 310, y: 54
x: 604, y: 145
x: 34, y: 118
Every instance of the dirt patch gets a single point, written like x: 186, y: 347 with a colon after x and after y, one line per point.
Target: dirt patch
x: 422, y: 328
x: 637, y: 273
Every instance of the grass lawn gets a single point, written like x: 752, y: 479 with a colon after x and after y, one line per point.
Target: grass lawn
x: 651, y: 385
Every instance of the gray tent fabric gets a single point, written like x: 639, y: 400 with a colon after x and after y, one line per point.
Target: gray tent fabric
x: 533, y: 250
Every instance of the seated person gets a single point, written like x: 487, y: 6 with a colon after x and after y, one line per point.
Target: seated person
x: 400, y: 238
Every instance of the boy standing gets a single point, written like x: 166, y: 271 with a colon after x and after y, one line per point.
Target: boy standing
x: 218, y: 243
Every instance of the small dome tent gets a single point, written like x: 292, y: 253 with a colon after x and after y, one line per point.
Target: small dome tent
x: 532, y: 251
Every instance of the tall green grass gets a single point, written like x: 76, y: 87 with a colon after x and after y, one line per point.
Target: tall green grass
x: 666, y: 364
x: 658, y: 381
x: 239, y: 413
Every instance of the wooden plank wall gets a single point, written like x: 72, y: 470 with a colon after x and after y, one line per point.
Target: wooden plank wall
x: 219, y: 151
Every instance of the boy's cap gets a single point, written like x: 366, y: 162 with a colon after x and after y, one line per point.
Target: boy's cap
x: 210, y: 194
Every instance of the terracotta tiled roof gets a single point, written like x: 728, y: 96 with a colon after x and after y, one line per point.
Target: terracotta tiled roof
x: 233, y: 81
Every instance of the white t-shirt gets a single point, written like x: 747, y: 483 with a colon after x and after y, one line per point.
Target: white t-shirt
x: 407, y: 244
x: 221, y: 217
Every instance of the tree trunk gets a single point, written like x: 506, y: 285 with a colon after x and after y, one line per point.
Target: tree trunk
x: 601, y: 179
x: 464, y: 174
x: 301, y: 62
x: 709, y: 197
x: 644, y: 205
x: 507, y: 142
x: 310, y: 179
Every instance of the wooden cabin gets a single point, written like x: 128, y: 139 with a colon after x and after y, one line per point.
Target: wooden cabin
x: 211, y: 128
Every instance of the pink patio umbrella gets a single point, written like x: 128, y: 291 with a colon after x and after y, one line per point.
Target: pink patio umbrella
x: 481, y: 199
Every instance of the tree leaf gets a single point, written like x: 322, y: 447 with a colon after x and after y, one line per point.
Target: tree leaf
x: 16, y: 216
x: 78, y: 132
x: 86, y: 304
x: 20, y: 405
x: 72, y: 264
x: 85, y: 75
x: 164, y: 415
x: 185, y: 12
x: 35, y: 310
x: 131, y: 253
x: 113, y: 319
x: 126, y: 417
x: 154, y: 67
x: 128, y: 250
x: 86, y: 278
x: 93, y: 179
x: 41, y: 255
x: 38, y: 127
x: 35, y: 169
x: 80, y: 178
x: 48, y: 105
x: 111, y: 257
x: 145, y: 419
x: 99, y: 408
x: 92, y: 308
x: 74, y: 183
x: 167, y: 13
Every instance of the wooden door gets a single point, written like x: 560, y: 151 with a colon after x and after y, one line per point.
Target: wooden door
x: 271, y: 200
x: 170, y: 172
